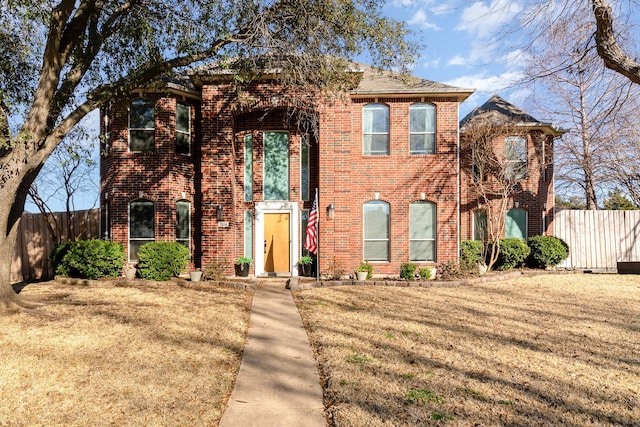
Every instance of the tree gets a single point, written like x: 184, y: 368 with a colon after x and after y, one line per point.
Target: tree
x: 618, y: 201
x: 577, y: 92
x: 609, y: 49
x: 496, y: 166
x: 61, y: 59
x: 68, y: 174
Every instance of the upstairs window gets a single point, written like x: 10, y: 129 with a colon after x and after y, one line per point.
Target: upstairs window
x: 141, y: 125
x: 422, y: 231
x: 375, y: 129
x: 248, y: 168
x: 183, y: 129
x: 376, y: 231
x: 515, y: 158
x: 422, y: 128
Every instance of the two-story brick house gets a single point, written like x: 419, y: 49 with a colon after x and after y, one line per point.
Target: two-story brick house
x: 233, y: 175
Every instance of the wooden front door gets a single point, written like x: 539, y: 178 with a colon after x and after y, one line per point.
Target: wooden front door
x: 276, y: 243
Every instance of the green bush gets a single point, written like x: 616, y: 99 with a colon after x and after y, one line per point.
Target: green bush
x: 470, y: 255
x: 547, y: 251
x: 365, y: 266
x: 513, y: 253
x: 408, y: 271
x: 89, y: 259
x: 425, y: 273
x: 162, y: 260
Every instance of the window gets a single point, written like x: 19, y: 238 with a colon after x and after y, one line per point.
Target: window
x: 141, y: 125
x: 515, y: 223
x: 422, y: 231
x: 141, y: 226
x: 304, y: 220
x: 376, y: 231
x: 183, y: 223
x: 248, y: 168
x: 422, y: 128
x: 515, y: 158
x: 480, y: 225
x: 106, y: 136
x: 375, y: 129
x: 183, y: 129
x: 276, y: 166
x: 304, y: 168
x: 248, y: 234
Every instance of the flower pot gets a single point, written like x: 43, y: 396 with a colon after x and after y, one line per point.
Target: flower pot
x: 362, y: 275
x: 305, y: 269
x: 195, y: 276
x: 130, y: 273
x: 242, y: 270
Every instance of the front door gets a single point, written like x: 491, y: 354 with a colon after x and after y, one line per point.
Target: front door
x: 276, y: 242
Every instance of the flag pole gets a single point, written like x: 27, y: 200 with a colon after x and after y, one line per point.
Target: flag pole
x: 318, y: 237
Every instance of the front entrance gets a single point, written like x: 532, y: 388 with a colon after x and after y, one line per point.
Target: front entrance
x: 277, y: 242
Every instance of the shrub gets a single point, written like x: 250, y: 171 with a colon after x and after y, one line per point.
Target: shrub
x: 365, y: 266
x: 425, y: 273
x: 513, y: 253
x: 470, y: 255
x: 408, y: 271
x: 215, y: 270
x: 162, y: 260
x: 58, y: 253
x: 89, y: 259
x: 547, y: 251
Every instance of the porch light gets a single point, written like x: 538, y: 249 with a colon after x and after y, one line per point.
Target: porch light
x: 516, y: 204
x: 219, y: 216
x: 331, y: 211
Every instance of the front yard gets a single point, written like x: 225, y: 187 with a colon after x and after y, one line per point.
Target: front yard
x: 547, y: 350
x: 98, y: 355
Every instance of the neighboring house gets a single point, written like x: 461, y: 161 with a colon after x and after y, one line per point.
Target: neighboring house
x: 232, y: 175
x: 527, y: 148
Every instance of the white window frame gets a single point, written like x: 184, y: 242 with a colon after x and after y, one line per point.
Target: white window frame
x: 181, y: 131
x: 187, y: 239
x: 420, y: 106
x: 370, y: 133
x: 364, y: 231
x: 432, y: 238
x: 139, y: 239
x: 147, y: 129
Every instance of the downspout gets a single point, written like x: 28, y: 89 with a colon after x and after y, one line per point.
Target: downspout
x: 458, y: 181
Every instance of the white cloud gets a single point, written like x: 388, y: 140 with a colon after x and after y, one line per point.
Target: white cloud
x: 486, y: 84
x: 420, y: 18
x: 483, y: 20
x: 457, y: 60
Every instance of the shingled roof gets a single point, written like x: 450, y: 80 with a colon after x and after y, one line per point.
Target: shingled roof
x: 498, y: 111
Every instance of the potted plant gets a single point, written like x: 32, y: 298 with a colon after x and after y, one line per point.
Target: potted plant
x: 242, y: 266
x: 364, y: 271
x: 305, y: 263
x: 130, y: 271
x: 195, y: 275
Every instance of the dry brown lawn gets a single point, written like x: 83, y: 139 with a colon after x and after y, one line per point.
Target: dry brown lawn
x: 547, y: 350
x: 149, y: 355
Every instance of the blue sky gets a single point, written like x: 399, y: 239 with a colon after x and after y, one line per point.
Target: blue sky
x: 464, y: 45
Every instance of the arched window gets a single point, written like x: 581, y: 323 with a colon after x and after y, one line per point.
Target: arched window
x: 515, y: 223
x: 141, y: 226
x: 515, y: 158
x: 422, y: 231
x: 376, y: 231
x: 141, y: 125
x: 183, y: 223
x: 375, y: 129
x: 422, y: 128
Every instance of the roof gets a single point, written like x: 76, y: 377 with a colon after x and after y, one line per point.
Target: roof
x: 499, y: 111
x: 372, y: 82
x: 376, y: 82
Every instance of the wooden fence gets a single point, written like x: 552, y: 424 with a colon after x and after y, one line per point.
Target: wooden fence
x: 35, y: 243
x: 598, y: 239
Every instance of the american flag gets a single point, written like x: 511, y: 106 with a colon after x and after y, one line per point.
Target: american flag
x: 311, y: 242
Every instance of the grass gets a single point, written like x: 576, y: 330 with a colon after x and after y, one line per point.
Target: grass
x: 153, y: 355
x: 545, y: 350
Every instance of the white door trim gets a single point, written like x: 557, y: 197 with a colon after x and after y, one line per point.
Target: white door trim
x: 276, y: 207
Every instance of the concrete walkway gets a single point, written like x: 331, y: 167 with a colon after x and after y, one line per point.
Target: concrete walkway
x: 278, y: 382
